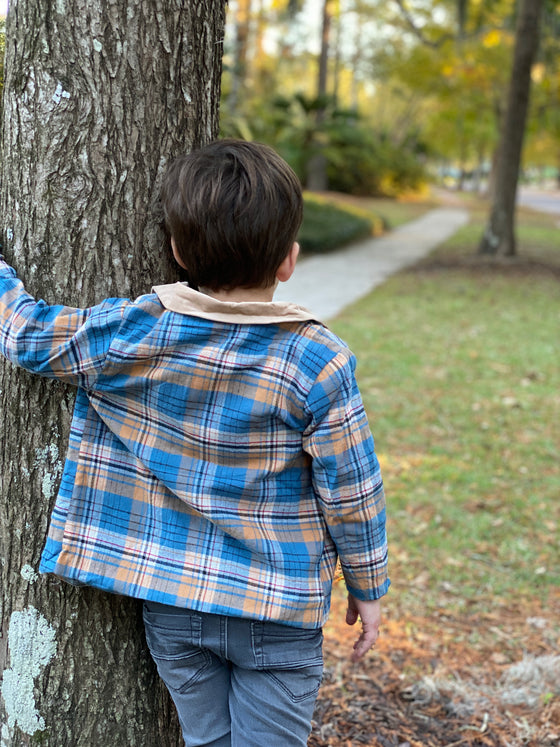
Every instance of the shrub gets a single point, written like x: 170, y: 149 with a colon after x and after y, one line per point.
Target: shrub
x: 327, y: 226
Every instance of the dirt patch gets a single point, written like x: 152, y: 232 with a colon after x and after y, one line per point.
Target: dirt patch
x: 487, y: 680
x: 477, y: 264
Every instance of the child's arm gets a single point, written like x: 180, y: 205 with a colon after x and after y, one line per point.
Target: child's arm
x: 54, y: 341
x: 347, y: 481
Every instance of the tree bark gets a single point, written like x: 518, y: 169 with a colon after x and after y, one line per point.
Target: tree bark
x: 499, y: 236
x: 99, y: 96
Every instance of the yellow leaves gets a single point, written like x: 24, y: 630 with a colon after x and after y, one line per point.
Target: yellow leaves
x: 402, y: 463
x: 420, y: 466
x: 538, y: 72
x: 492, y: 39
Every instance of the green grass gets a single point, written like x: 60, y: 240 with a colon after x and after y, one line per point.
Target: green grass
x: 458, y: 363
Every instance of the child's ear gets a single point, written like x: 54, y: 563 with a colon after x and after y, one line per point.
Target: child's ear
x: 286, y: 269
x: 176, y: 254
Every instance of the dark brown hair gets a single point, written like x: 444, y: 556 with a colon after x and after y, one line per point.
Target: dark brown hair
x: 233, y: 209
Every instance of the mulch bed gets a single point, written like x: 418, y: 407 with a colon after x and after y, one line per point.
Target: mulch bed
x: 440, y: 682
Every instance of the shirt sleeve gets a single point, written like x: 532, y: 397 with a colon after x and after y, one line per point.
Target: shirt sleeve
x: 347, y: 478
x: 58, y: 342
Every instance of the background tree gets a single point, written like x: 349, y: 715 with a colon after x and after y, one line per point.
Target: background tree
x: 316, y: 176
x: 542, y: 146
x: 241, y: 24
x: 499, y: 236
x: 416, y: 85
x: 98, y: 97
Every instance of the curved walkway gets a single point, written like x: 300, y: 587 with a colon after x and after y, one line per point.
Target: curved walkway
x: 327, y: 283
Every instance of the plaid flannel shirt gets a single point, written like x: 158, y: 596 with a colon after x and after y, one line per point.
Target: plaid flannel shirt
x: 219, y: 457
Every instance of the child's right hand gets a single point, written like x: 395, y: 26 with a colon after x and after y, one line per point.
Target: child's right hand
x: 370, y: 616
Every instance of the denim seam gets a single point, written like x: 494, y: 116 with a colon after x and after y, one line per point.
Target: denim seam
x: 289, y: 693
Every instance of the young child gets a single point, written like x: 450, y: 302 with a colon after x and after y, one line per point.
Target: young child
x: 220, y: 460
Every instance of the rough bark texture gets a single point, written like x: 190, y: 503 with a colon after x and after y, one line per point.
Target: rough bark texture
x: 499, y: 237
x: 98, y: 97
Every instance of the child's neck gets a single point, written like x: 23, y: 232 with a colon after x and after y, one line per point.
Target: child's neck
x: 242, y: 295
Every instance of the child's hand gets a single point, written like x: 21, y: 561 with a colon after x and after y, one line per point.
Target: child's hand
x: 370, y: 616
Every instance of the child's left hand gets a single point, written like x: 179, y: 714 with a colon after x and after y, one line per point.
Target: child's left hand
x: 370, y: 615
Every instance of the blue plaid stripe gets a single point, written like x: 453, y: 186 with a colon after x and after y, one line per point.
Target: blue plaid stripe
x: 212, y: 465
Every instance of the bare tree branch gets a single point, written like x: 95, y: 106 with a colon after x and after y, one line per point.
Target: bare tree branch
x: 418, y: 32
x: 437, y: 43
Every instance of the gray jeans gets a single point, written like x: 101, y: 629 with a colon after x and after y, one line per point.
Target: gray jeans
x: 236, y: 682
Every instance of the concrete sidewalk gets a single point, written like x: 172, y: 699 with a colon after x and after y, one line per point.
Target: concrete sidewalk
x: 326, y: 283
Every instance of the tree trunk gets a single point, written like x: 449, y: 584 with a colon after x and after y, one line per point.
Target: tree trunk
x: 240, y: 53
x: 98, y: 97
x: 316, y: 177
x: 357, y: 57
x: 499, y: 236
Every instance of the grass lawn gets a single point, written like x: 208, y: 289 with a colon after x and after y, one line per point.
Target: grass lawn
x: 459, y: 367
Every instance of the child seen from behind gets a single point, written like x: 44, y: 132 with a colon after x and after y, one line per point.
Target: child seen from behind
x: 220, y: 460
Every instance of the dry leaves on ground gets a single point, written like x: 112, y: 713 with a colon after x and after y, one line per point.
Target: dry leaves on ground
x: 491, y: 680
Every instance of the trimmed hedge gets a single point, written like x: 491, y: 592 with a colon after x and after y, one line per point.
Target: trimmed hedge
x: 327, y: 226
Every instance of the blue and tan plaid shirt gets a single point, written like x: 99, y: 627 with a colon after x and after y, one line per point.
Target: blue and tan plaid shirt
x: 219, y: 457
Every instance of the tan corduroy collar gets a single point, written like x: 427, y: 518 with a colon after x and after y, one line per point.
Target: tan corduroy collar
x: 184, y: 300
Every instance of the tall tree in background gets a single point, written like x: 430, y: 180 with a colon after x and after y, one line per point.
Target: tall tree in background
x: 98, y: 97
x: 316, y: 178
x: 499, y: 236
x: 241, y: 23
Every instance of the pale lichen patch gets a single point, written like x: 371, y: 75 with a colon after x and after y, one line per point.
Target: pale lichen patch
x: 32, y: 644
x: 48, y: 455
x: 60, y: 94
x: 6, y: 735
x: 29, y: 573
